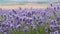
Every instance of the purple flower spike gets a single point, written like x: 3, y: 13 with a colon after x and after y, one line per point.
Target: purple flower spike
x: 12, y: 21
x: 12, y: 26
x: 53, y: 22
x: 52, y: 27
x: 20, y: 18
x: 18, y: 27
x: 34, y: 17
x: 25, y: 28
x: 24, y: 19
x: 56, y: 32
x: 34, y: 28
x: 58, y: 18
x: 54, y: 8
x: 39, y: 23
x: 3, y: 25
x: 51, y: 32
x: 58, y: 7
x: 51, y: 5
x: 5, y: 32
x: 29, y: 14
x: 14, y: 11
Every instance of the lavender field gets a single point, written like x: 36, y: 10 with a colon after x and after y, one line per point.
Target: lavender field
x: 30, y: 21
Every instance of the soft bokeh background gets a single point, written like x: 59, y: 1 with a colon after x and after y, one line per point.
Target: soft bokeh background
x: 31, y: 0
x: 26, y: 3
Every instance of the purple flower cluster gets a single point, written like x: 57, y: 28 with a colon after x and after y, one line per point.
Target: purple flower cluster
x: 25, y: 19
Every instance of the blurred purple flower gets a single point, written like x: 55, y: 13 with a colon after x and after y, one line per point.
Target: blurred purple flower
x: 25, y: 28
x: 56, y: 32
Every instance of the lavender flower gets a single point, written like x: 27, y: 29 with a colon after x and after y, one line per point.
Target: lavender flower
x: 18, y: 27
x: 25, y: 28
x: 14, y: 11
x: 51, y: 32
x: 56, y: 32
x: 53, y: 22
x: 52, y: 27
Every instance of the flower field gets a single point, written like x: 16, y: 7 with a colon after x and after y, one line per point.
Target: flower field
x: 30, y: 21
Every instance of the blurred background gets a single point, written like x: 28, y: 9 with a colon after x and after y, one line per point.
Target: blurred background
x: 8, y: 2
x: 27, y: 3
